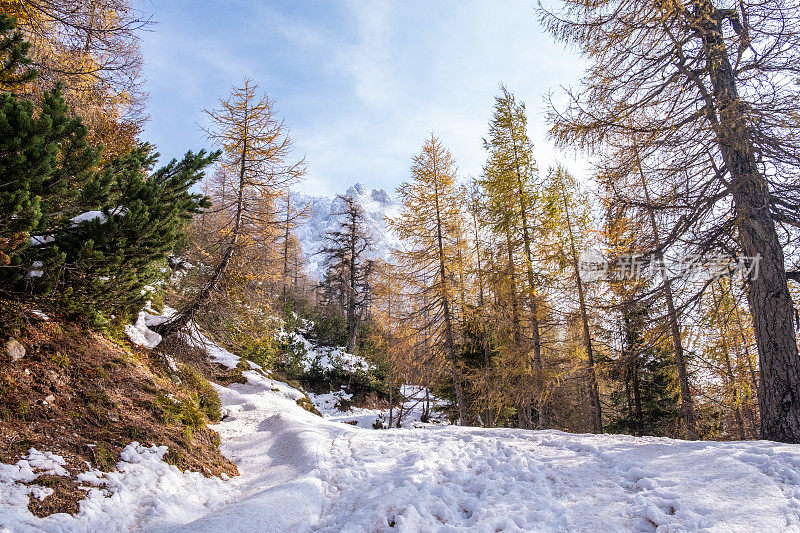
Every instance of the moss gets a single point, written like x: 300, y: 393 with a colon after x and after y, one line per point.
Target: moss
x: 305, y: 403
x: 204, y: 394
x: 103, y: 459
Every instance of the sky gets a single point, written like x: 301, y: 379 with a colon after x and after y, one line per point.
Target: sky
x: 361, y: 84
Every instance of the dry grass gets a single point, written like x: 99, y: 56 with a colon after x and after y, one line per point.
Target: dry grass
x: 103, y: 394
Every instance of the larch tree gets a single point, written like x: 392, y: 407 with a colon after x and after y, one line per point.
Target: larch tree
x: 569, y: 221
x: 614, y: 178
x: 257, y: 168
x: 430, y: 225
x: 92, y: 47
x: 704, y: 87
x: 509, y: 178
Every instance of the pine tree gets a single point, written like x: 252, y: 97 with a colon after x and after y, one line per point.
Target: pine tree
x: 47, y: 175
x: 92, y: 47
x: 88, y: 239
x: 98, y: 267
x: 15, y: 64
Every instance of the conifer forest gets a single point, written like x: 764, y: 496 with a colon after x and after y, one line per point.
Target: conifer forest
x: 557, y: 304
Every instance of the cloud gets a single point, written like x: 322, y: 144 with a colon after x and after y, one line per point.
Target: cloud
x: 361, y: 83
x: 368, y: 61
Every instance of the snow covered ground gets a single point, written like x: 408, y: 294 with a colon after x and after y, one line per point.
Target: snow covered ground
x: 330, y: 406
x: 303, y: 473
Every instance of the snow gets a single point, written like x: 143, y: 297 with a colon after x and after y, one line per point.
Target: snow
x: 326, y: 358
x: 97, y: 215
x: 88, y: 216
x: 330, y: 404
x: 300, y: 472
x: 40, y: 315
x: 36, y: 270
x: 217, y: 353
x: 140, y: 334
x: 377, y: 205
x: 144, y: 492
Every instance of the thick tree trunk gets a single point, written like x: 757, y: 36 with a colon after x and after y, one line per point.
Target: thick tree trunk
x: 768, y: 293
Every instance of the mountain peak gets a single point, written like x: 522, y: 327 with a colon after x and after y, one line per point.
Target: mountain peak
x: 359, y: 189
x: 377, y: 205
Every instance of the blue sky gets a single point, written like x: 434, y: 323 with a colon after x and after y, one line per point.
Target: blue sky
x: 361, y: 84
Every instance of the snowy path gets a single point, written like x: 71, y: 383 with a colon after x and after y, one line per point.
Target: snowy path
x: 303, y: 473
x: 306, y: 474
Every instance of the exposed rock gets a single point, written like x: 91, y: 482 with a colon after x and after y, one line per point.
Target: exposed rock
x: 15, y: 349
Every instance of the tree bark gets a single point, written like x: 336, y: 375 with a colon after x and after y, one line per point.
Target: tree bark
x: 637, y: 398
x: 768, y: 292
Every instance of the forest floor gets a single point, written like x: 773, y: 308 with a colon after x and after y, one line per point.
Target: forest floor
x: 300, y: 472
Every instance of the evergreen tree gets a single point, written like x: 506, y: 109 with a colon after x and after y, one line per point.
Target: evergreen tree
x: 98, y: 264
x: 87, y: 239
x: 47, y: 175
x: 15, y: 68
x: 348, y: 270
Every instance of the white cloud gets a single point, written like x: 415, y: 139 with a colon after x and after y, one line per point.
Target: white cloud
x: 363, y: 83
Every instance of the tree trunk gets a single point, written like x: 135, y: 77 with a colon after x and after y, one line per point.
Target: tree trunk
x: 182, y: 319
x: 286, y: 247
x: 448, y: 321
x: 637, y: 398
x: 768, y: 293
x: 351, y: 292
x: 686, y: 401
x: 513, y: 286
x: 534, y: 304
x: 484, y: 337
x: 594, y: 392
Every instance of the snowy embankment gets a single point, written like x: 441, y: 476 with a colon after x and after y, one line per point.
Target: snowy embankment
x: 303, y: 473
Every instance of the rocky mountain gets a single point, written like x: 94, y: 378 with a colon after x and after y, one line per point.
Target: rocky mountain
x: 377, y: 205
